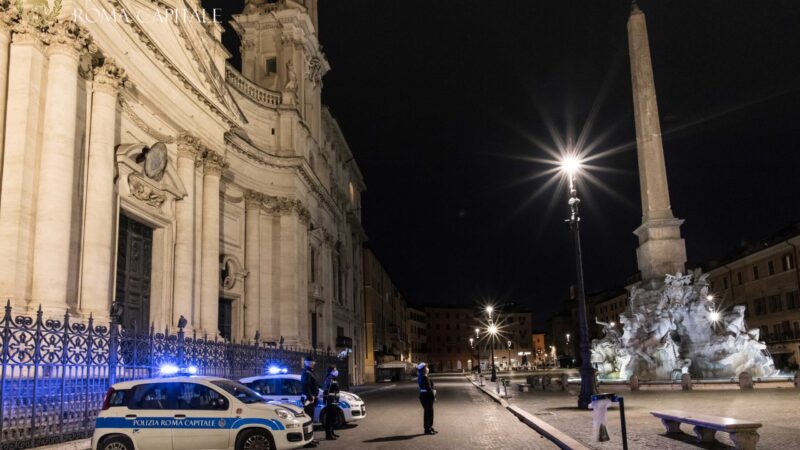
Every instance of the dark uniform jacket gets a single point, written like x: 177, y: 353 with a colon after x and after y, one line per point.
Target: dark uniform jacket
x: 425, y: 385
x: 310, y: 384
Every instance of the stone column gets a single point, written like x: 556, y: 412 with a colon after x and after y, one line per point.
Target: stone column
x: 26, y: 70
x: 209, y: 294
x: 268, y: 295
x: 5, y: 41
x: 661, y: 249
x: 100, y: 217
x: 57, y: 181
x: 252, y: 257
x: 183, y: 282
x: 289, y: 284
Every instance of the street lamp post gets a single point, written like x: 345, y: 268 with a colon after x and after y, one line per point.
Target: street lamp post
x: 478, y: 347
x: 471, y: 348
x: 493, y: 333
x: 570, y: 165
x: 509, y: 356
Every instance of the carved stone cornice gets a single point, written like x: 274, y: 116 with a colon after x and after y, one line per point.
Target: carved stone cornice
x: 293, y: 163
x: 276, y: 205
x: 142, y: 124
x: 213, y: 163
x: 110, y: 77
x: 166, y: 61
x: 189, y: 145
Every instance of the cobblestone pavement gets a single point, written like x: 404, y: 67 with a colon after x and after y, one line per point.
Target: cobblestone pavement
x: 465, y: 418
x: 778, y: 409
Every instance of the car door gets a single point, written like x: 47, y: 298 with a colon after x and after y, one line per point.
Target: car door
x: 268, y: 388
x: 148, y: 416
x: 202, y: 418
x: 291, y: 391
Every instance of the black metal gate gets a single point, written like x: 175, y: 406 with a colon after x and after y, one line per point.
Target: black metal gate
x: 54, y: 373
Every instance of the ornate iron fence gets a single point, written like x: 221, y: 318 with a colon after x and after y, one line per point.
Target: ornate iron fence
x: 54, y: 373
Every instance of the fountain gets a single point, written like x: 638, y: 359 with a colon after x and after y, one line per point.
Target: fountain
x: 676, y: 328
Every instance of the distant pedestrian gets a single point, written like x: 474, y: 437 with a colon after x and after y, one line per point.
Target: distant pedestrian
x: 330, y: 393
x: 427, y: 395
x: 310, y: 394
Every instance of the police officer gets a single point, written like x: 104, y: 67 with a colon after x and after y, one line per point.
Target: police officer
x: 330, y: 392
x: 426, y: 396
x: 310, y: 390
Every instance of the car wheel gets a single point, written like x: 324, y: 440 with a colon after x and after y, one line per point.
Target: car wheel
x: 115, y: 443
x: 254, y: 440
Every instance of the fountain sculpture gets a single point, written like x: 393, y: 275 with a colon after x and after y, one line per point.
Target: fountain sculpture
x: 677, y: 328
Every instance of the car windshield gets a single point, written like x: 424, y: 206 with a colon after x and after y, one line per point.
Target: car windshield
x: 242, y: 393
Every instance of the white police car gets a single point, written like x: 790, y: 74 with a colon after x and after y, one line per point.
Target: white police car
x: 196, y: 412
x: 285, y: 387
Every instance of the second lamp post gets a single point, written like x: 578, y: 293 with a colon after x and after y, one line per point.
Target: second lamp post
x: 570, y: 165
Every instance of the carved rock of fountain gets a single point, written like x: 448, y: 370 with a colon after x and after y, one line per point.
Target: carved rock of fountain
x: 676, y: 328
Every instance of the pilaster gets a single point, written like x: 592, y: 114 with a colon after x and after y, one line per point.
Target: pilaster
x: 252, y: 246
x: 213, y: 163
x: 189, y: 147
x: 100, y: 206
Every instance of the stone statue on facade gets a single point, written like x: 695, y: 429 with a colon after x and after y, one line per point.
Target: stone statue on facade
x: 290, y: 88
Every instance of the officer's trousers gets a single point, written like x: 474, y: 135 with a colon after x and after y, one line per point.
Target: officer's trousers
x: 426, y: 398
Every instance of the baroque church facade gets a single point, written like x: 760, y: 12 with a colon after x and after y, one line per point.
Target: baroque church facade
x: 141, y: 170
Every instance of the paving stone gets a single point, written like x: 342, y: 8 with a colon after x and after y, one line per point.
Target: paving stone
x: 778, y: 409
x: 465, y: 418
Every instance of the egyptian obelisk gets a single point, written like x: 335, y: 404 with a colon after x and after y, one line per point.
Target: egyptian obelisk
x: 661, y: 248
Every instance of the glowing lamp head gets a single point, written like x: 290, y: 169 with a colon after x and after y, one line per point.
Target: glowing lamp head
x: 613, y: 324
x: 713, y: 316
x: 710, y: 297
x: 570, y: 165
x: 489, y: 309
x: 167, y: 370
x: 492, y: 329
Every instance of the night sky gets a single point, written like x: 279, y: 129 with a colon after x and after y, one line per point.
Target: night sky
x: 442, y: 102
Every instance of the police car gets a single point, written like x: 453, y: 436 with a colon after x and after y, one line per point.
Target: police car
x: 196, y: 412
x: 284, y: 387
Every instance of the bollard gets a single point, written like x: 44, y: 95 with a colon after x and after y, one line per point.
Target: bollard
x: 797, y: 379
x: 634, y: 383
x: 564, y: 382
x: 482, y: 383
x: 600, y: 404
x: 599, y: 417
x: 545, y: 382
x: 686, y: 382
x: 745, y: 381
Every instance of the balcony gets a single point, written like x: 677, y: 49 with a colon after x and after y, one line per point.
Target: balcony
x: 259, y: 95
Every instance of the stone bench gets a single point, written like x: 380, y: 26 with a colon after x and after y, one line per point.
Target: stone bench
x: 523, y: 387
x: 743, y: 433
